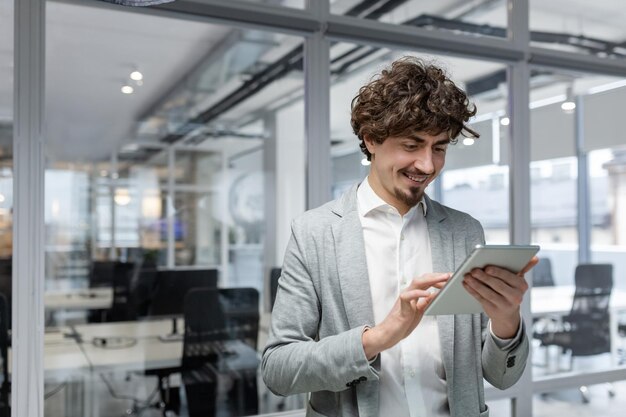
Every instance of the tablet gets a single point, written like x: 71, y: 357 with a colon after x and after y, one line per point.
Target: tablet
x: 454, y: 299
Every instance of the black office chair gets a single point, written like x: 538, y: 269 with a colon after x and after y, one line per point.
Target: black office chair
x: 585, y: 330
x: 241, y: 314
x: 122, y: 309
x: 542, y: 273
x: 212, y: 318
x: 5, y: 388
x: 274, y: 276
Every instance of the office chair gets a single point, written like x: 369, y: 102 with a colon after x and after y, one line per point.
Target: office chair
x: 274, y: 276
x: 585, y: 330
x: 212, y: 318
x: 5, y: 388
x: 241, y: 314
x: 542, y: 273
x: 122, y: 307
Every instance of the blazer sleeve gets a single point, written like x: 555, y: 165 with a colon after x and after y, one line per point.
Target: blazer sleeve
x: 502, y: 366
x: 294, y: 359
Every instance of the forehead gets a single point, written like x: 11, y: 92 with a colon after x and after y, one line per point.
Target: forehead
x: 422, y: 136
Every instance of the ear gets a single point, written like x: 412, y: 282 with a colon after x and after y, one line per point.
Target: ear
x: 370, y: 144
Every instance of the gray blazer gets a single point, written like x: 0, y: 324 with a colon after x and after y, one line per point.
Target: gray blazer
x: 323, y: 303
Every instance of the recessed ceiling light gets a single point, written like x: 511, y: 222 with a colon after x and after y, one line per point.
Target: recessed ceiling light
x: 505, y: 121
x: 468, y: 141
x: 136, y: 76
x: 127, y: 89
x: 365, y: 162
x: 568, y: 106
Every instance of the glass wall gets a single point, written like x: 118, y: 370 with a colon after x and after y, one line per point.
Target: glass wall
x: 578, y: 291
x: 161, y: 178
x: 574, y: 26
x: 471, y: 166
x: 175, y: 159
x: 487, y: 18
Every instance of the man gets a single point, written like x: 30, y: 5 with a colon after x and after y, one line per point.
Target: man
x: 348, y: 324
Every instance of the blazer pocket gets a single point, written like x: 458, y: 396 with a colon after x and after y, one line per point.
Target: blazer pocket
x: 484, y: 413
x: 311, y: 412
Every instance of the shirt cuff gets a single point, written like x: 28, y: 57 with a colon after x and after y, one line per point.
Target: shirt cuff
x: 506, y: 344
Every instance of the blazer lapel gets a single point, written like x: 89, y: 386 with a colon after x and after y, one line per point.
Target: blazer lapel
x: 354, y: 284
x: 442, y: 248
x: 351, y: 263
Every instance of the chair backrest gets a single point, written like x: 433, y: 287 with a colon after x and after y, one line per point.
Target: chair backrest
x: 542, y: 273
x: 102, y: 273
x: 215, y: 315
x: 589, y: 317
x: 274, y: 276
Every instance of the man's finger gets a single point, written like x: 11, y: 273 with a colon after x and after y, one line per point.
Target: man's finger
x: 529, y: 265
x: 429, y: 280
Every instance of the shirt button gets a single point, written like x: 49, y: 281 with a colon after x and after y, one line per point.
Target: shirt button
x: 402, y: 236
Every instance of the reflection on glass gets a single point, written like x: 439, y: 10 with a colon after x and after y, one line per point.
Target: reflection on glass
x: 576, y: 303
x: 153, y: 194
x: 573, y: 26
x: 487, y: 18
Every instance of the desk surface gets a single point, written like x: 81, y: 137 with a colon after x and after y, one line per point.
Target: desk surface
x: 558, y: 300
x: 79, y: 299
x: 148, y: 351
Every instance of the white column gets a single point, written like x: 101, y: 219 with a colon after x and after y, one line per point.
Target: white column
x: 28, y: 211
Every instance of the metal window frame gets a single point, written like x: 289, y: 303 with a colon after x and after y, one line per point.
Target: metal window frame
x: 319, y: 27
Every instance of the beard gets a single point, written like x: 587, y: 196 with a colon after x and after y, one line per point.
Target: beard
x: 410, y: 197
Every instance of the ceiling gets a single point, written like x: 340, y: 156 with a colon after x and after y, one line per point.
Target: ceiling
x: 90, y: 52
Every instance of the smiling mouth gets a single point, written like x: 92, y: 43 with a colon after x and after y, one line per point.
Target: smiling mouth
x: 419, y: 179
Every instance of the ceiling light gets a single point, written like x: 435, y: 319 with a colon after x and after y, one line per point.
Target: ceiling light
x: 2, y: 198
x: 122, y: 197
x: 505, y: 121
x: 365, y: 162
x: 569, y: 104
x: 127, y: 89
x: 468, y: 141
x: 136, y: 76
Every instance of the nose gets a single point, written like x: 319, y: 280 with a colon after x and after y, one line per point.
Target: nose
x: 424, y: 161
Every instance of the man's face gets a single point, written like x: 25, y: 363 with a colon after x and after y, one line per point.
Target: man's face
x: 403, y: 166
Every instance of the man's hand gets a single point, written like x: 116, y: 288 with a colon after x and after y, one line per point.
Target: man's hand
x: 500, y: 292
x: 404, y: 316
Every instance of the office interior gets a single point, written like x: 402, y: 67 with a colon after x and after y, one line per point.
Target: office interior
x: 180, y: 140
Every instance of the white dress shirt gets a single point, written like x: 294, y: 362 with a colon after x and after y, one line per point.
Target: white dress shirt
x: 397, y: 249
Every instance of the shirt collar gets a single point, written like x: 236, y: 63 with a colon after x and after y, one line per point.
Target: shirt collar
x: 369, y: 201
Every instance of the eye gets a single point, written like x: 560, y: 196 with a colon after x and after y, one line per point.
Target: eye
x: 410, y: 146
x: 441, y: 149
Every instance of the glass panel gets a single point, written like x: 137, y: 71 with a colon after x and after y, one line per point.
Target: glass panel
x: 488, y: 18
x: 607, y: 186
x: 576, y: 304
x: 574, y: 26
x: 471, y: 166
x: 158, y: 191
x: 6, y: 195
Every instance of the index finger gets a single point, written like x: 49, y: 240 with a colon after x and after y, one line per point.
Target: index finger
x: 529, y: 265
x: 429, y: 280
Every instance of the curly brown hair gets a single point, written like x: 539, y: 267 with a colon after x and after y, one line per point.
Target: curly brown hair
x: 410, y: 97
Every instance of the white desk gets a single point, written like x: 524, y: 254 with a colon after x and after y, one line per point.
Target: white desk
x: 147, y: 353
x: 557, y: 301
x: 79, y: 299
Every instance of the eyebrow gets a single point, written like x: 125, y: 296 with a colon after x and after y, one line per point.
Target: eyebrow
x: 443, y: 141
